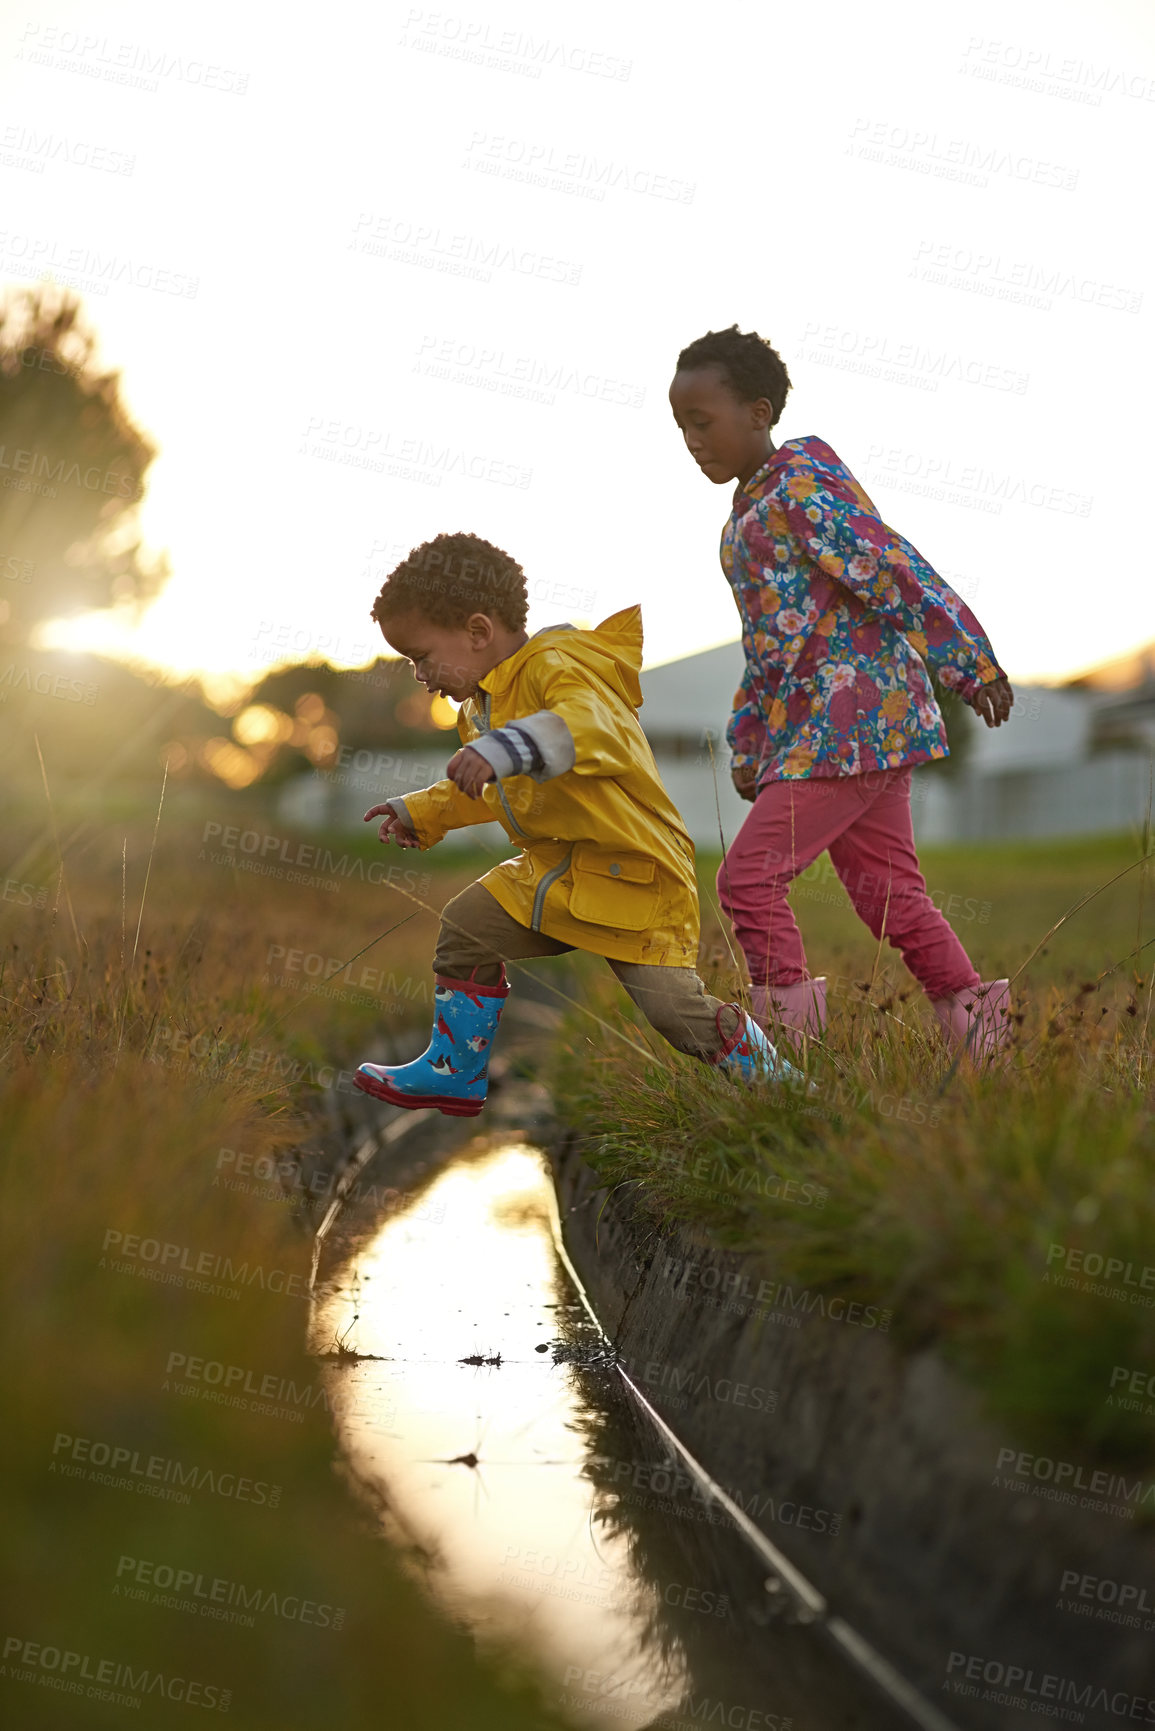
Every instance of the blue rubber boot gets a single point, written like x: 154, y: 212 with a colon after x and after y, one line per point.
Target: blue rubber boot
x: 453, y: 1071
x: 747, y: 1055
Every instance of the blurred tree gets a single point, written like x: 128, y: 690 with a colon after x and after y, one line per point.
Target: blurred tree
x: 72, y: 468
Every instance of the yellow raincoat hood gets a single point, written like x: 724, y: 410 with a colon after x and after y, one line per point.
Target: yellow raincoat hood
x: 606, y: 863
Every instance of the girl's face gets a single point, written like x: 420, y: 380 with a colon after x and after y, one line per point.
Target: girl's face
x: 727, y: 438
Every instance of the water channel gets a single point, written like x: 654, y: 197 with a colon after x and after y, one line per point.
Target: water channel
x: 477, y: 1403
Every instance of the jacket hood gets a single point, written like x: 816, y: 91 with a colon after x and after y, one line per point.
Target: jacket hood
x: 612, y: 650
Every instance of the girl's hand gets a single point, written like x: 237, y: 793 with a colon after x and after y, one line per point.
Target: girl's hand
x: 744, y: 779
x: 469, y: 770
x: 394, y: 828
x: 993, y: 702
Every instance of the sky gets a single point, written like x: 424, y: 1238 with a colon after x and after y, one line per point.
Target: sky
x: 377, y: 271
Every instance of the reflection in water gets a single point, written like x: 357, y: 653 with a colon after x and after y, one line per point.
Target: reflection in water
x: 473, y: 1434
x: 542, y: 1503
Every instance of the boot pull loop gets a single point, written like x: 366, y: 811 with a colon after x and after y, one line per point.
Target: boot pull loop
x: 729, y: 1041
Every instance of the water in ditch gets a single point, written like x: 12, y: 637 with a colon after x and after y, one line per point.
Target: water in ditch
x: 475, y: 1403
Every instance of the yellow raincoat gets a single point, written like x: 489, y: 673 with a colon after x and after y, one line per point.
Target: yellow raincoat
x: 606, y: 863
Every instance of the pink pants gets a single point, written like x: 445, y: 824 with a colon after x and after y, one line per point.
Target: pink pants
x: 864, y: 823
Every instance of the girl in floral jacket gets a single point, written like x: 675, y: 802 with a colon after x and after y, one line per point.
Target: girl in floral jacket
x: 841, y: 620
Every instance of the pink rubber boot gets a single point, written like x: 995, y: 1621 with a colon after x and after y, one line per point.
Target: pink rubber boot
x: 799, y: 1009
x: 977, y: 1020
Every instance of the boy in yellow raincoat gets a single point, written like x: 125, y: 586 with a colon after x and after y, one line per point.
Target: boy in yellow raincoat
x: 551, y: 747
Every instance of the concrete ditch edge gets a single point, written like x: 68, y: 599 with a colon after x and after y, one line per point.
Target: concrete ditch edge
x: 814, y: 1425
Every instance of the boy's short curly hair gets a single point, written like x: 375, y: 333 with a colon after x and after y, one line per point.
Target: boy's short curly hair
x: 451, y: 577
x: 752, y: 368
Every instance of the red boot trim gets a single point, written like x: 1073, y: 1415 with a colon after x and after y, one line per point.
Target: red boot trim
x: 381, y: 1090
x: 472, y: 989
x: 735, y: 1039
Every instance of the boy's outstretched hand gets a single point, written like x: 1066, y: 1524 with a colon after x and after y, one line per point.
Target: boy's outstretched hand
x: 993, y: 702
x: 469, y: 770
x: 394, y: 828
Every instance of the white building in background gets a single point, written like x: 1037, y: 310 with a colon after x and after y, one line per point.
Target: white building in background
x: 686, y: 705
x: 1077, y: 759
x: 1073, y: 760
x: 1049, y: 771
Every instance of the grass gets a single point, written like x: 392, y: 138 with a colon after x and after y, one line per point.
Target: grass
x: 122, y: 1084
x: 931, y: 1191
x: 129, y: 1085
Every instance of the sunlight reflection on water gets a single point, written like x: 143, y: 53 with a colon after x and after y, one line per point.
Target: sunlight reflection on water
x: 482, y: 1463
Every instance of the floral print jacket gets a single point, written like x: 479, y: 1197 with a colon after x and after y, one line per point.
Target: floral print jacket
x: 841, y: 618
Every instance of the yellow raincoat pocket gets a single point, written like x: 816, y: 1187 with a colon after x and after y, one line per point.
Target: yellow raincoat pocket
x: 614, y: 889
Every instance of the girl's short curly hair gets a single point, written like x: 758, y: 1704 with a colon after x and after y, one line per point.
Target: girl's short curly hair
x: 753, y: 369
x: 451, y: 577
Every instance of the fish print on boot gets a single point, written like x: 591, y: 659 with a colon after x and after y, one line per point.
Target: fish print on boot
x: 452, y: 1073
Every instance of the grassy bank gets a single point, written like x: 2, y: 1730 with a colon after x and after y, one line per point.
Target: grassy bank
x: 973, y: 1207
x: 178, y: 1531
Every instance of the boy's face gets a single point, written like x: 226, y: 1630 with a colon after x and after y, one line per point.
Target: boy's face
x: 727, y: 438
x: 447, y: 659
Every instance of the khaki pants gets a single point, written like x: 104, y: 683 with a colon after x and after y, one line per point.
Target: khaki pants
x: 477, y: 935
